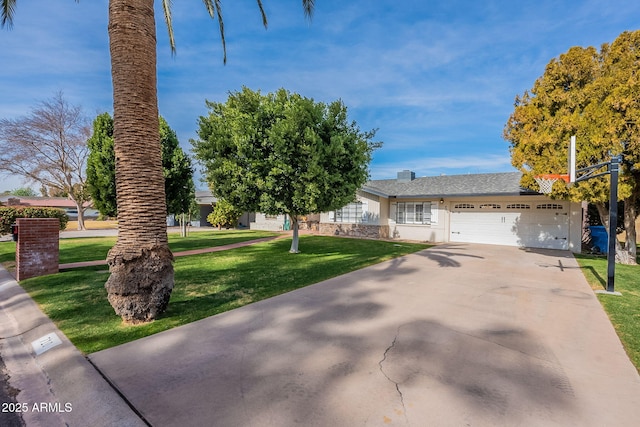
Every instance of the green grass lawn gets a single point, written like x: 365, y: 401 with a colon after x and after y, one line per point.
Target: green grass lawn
x: 624, y: 311
x: 205, y: 285
x: 96, y: 248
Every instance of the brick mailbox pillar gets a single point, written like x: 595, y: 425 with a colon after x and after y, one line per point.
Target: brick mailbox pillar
x: 37, y: 248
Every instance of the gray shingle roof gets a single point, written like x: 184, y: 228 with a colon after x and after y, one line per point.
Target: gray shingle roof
x: 488, y: 184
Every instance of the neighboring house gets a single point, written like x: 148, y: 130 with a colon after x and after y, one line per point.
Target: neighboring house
x: 206, y: 201
x: 475, y: 208
x: 282, y: 222
x: 49, y: 202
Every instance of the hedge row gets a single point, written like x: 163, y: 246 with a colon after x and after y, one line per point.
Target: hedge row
x: 8, y: 216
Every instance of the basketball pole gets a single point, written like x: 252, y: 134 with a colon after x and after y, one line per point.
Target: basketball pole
x: 614, y: 169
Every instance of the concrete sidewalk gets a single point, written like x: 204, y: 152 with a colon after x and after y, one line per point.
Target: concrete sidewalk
x: 454, y: 335
x: 58, y: 386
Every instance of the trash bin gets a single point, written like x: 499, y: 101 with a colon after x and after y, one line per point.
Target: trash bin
x: 14, y: 232
x: 287, y: 225
x: 600, y: 238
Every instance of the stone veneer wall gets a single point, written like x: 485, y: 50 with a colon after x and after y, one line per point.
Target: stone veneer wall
x: 355, y: 230
x: 37, y: 248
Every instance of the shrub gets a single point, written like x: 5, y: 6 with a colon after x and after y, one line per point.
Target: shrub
x: 8, y: 216
x: 224, y: 215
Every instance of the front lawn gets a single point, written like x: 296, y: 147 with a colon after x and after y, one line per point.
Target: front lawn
x: 624, y: 311
x: 96, y: 248
x: 205, y: 285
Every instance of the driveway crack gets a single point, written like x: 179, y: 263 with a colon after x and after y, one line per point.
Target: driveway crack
x: 395, y: 383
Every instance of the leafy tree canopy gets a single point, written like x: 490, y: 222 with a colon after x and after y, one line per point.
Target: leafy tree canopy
x: 595, y: 95
x: 282, y: 153
x: 179, y: 188
x: 24, y: 192
x: 224, y: 214
x: 101, y: 166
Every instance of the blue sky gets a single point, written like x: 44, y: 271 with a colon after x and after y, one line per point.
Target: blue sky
x: 438, y: 79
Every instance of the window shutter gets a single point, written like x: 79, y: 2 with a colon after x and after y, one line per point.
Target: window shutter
x: 393, y: 211
x: 332, y: 216
x: 365, y: 211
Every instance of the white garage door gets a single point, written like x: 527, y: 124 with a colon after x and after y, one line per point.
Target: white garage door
x: 532, y: 224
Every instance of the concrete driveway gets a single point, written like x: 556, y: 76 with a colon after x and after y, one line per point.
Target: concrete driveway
x: 457, y: 335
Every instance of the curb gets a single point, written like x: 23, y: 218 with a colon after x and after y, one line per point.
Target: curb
x: 58, y: 385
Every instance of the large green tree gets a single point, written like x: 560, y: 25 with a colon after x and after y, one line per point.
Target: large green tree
x: 178, y: 173
x: 140, y: 263
x: 101, y: 166
x: 282, y: 153
x: 593, y: 94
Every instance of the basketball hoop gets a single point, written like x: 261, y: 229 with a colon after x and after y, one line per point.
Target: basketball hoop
x: 546, y: 181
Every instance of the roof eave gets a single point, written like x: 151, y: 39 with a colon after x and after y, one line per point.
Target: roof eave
x: 452, y: 195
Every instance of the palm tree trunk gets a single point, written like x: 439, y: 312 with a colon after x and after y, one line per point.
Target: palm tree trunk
x: 140, y: 263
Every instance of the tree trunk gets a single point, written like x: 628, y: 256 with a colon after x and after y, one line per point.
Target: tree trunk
x: 630, y: 215
x: 294, y: 240
x: 140, y: 263
x: 622, y: 256
x: 183, y: 226
x: 80, y: 210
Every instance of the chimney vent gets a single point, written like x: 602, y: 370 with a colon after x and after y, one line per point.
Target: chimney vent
x: 406, y: 176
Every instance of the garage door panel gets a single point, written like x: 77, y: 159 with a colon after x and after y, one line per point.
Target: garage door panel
x: 536, y: 228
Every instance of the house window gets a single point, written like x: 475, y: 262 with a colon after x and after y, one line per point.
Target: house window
x: 518, y: 206
x: 464, y: 206
x: 489, y: 206
x: 553, y: 206
x: 270, y: 217
x: 413, y: 213
x: 350, y: 213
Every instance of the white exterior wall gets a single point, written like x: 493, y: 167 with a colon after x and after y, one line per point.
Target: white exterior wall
x: 376, y: 209
x: 434, y: 232
x: 381, y: 213
x: 264, y: 224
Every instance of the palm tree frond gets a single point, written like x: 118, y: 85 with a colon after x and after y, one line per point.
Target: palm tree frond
x: 166, y: 7
x: 214, y: 8
x: 6, y: 13
x: 308, y: 6
x: 218, y: 5
x: 264, y: 15
x: 210, y: 8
